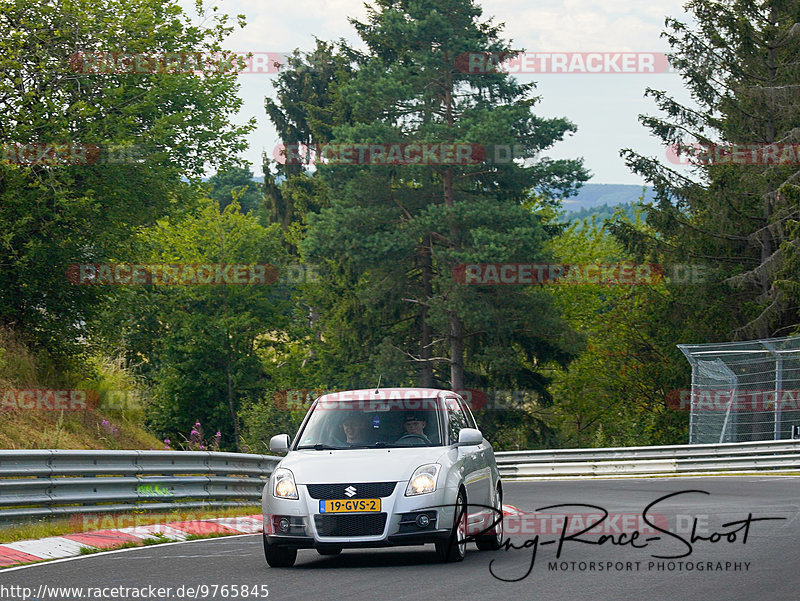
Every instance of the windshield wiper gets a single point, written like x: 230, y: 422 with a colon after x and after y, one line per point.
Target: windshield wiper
x: 318, y: 447
x: 376, y: 445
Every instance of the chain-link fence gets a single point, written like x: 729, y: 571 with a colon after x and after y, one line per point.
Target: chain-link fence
x: 744, y: 391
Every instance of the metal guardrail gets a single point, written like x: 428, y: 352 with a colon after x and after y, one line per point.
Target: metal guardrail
x: 39, y: 483
x: 679, y: 459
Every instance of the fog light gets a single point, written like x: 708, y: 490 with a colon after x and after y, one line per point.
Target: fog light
x: 283, y: 525
x: 423, y: 520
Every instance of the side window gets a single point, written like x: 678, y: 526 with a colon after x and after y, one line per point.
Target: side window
x: 455, y: 419
x: 467, y: 414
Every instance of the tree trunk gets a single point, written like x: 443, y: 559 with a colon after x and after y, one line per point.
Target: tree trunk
x: 456, y: 353
x: 456, y: 327
x: 231, y: 402
x: 425, y: 376
x: 768, y: 244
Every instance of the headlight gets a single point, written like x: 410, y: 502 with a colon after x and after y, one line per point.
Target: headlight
x: 423, y: 480
x: 283, y: 484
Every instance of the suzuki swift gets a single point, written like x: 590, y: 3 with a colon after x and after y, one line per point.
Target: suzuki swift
x: 385, y: 467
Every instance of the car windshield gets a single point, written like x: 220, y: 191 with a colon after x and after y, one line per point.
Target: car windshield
x: 337, y: 424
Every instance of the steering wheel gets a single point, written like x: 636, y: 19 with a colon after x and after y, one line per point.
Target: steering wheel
x: 421, y: 437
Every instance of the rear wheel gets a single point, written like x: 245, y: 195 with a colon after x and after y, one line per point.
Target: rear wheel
x: 494, y: 540
x: 455, y: 547
x: 279, y: 557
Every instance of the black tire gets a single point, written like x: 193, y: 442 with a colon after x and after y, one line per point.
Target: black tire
x: 329, y: 550
x: 455, y: 547
x: 493, y: 541
x: 279, y: 557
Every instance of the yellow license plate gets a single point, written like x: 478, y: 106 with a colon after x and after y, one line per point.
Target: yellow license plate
x: 349, y: 505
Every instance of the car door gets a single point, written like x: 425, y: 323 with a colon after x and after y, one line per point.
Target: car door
x: 467, y: 456
x: 483, y: 474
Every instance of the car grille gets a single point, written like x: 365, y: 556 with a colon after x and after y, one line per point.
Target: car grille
x: 365, y: 490
x: 369, y: 524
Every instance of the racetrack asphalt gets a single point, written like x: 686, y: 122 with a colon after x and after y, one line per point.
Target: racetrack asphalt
x: 747, y: 558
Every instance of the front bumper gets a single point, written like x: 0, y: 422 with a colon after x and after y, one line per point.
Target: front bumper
x: 308, y: 528
x: 396, y: 540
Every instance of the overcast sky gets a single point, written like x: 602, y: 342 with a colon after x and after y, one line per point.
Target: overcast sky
x: 604, y: 106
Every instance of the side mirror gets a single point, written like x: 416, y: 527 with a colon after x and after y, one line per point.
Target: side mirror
x: 469, y: 437
x: 279, y: 444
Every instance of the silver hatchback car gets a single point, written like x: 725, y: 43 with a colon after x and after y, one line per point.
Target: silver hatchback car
x: 385, y: 467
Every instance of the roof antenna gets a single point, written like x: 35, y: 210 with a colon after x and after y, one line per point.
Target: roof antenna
x: 379, y: 383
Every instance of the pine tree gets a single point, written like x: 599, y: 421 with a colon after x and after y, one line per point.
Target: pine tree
x: 396, y: 231
x: 741, y: 64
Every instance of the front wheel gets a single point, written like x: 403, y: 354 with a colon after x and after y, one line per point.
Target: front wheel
x: 279, y: 557
x: 455, y: 547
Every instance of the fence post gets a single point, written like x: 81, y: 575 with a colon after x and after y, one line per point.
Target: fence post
x: 776, y: 428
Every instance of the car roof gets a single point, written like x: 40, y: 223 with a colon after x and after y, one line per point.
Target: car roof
x: 386, y: 394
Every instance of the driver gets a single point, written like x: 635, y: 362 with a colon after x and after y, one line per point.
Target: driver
x: 414, y: 426
x: 355, y: 429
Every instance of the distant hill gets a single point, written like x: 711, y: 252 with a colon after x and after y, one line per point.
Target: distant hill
x: 592, y: 196
x: 602, y: 212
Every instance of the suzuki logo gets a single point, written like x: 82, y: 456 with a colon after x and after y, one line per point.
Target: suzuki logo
x: 350, y: 491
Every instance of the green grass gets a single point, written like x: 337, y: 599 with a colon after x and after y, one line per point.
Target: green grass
x: 210, y: 535
x: 117, y: 422
x: 156, y: 539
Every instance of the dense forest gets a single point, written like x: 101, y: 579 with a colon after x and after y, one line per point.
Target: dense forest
x: 351, y: 266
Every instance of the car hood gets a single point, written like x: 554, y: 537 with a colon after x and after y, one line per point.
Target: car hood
x: 359, y: 465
